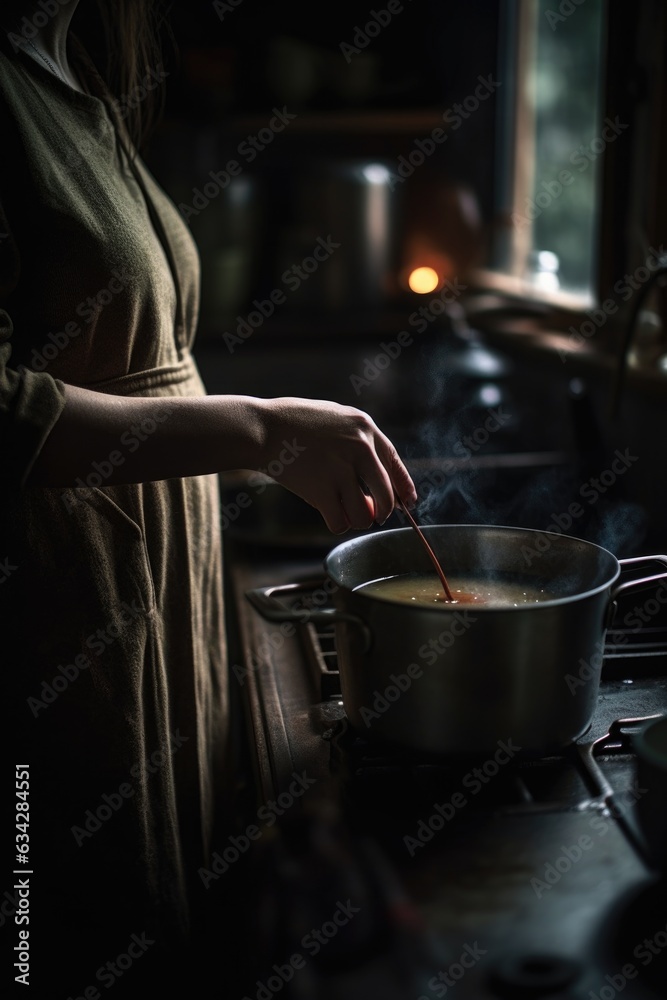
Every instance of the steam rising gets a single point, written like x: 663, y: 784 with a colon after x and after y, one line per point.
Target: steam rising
x: 464, y: 476
x: 459, y: 488
x: 622, y: 528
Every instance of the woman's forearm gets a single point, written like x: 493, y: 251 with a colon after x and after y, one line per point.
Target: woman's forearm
x: 326, y: 453
x: 144, y: 439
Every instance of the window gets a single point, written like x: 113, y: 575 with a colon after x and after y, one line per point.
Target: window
x: 580, y: 209
x: 552, y: 138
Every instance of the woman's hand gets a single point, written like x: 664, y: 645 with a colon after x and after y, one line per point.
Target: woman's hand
x: 326, y: 453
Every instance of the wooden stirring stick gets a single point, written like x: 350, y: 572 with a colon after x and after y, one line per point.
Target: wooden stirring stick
x: 432, y: 555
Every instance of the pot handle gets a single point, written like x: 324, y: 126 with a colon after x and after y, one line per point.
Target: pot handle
x: 266, y: 601
x: 622, y: 588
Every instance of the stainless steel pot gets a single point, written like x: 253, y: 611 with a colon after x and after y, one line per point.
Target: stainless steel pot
x: 461, y: 679
x: 351, y: 202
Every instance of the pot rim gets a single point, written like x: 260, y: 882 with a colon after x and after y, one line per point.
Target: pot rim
x: 483, y: 609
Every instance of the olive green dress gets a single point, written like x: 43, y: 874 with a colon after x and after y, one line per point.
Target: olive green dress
x: 115, y: 660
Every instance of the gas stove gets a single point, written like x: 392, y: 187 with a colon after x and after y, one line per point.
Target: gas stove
x: 386, y: 872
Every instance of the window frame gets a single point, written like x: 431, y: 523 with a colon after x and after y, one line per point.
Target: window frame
x: 632, y: 198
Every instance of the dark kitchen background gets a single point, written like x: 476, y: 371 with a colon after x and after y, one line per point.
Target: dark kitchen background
x: 451, y: 215
x: 341, y: 174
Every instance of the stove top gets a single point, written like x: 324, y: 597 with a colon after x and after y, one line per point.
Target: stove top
x: 424, y: 877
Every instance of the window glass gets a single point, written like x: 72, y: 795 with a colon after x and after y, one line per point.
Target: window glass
x: 554, y: 144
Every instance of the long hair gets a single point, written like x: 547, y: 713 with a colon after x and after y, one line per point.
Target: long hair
x: 131, y: 44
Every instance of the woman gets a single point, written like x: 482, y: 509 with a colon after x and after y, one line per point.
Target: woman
x: 112, y: 547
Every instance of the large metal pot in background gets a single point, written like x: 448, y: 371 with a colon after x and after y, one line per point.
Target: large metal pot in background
x: 458, y: 679
x: 344, y: 213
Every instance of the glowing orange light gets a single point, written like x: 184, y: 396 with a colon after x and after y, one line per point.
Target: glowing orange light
x: 423, y: 280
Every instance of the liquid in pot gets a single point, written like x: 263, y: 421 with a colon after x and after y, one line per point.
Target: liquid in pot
x: 414, y: 588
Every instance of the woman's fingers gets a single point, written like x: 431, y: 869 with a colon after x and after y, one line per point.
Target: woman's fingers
x: 377, y: 481
x: 393, y: 479
x: 359, y: 511
x: 400, y: 477
x: 335, y: 517
x: 349, y: 510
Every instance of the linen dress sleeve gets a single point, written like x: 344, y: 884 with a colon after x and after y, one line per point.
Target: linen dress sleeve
x: 30, y: 402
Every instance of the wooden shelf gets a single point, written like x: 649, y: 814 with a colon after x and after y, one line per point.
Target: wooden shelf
x: 379, y: 122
